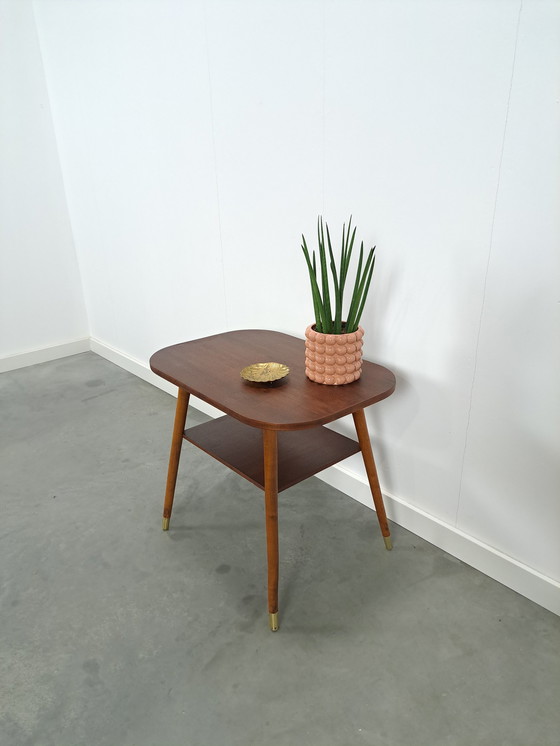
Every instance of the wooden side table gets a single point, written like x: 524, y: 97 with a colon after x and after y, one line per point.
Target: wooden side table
x: 272, y: 436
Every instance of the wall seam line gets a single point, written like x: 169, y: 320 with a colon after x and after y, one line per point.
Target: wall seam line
x: 324, y: 105
x: 487, y: 269
x: 63, y: 180
x: 215, y: 156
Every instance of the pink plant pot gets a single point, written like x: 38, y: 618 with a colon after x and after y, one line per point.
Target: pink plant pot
x: 333, y: 359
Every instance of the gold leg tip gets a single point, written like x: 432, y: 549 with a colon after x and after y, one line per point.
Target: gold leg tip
x: 273, y: 622
x: 165, y: 524
x: 388, y: 542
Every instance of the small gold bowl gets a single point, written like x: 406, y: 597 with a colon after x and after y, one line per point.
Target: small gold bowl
x: 264, y: 372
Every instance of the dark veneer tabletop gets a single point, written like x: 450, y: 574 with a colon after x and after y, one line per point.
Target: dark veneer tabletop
x: 210, y: 369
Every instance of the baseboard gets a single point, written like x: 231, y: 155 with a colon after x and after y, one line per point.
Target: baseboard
x: 44, y: 355
x: 513, y: 574
x: 510, y: 572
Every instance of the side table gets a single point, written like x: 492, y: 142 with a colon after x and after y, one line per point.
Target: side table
x: 273, y: 436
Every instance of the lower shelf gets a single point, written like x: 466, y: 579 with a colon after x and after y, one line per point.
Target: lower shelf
x: 301, y: 453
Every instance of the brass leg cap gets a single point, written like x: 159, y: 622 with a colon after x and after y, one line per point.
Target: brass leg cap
x: 273, y: 621
x: 388, y: 542
x: 165, y: 524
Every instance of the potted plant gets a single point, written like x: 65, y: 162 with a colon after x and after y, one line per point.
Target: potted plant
x: 333, y: 346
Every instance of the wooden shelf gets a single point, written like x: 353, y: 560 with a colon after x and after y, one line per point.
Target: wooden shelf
x: 301, y: 453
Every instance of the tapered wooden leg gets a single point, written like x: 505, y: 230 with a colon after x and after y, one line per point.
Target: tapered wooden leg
x: 175, y: 455
x: 270, y: 442
x: 367, y: 453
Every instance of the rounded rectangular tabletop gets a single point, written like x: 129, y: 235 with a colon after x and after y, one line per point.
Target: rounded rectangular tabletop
x: 210, y: 369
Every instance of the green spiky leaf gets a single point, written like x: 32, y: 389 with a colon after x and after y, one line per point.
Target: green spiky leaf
x: 320, y: 287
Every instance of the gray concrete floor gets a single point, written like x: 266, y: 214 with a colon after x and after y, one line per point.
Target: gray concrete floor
x: 113, y: 633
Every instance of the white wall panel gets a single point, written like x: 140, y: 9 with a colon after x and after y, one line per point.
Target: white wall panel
x: 266, y: 77
x: 131, y: 101
x: 416, y: 103
x: 41, y: 301
x: 511, y: 483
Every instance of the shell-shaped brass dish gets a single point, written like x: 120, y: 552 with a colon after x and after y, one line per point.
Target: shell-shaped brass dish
x: 264, y: 372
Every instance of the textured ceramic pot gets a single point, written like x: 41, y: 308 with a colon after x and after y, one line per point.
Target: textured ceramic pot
x: 333, y: 359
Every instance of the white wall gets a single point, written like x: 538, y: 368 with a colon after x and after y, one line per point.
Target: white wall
x: 131, y: 103
x: 41, y: 301
x: 510, y: 495
x: 198, y: 140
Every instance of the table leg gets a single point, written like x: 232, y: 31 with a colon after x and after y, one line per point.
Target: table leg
x: 367, y: 453
x: 270, y: 443
x: 174, y: 455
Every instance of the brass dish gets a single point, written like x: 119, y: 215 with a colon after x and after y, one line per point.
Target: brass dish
x: 264, y: 372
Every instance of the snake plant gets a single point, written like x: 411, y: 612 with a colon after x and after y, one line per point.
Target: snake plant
x: 325, y: 322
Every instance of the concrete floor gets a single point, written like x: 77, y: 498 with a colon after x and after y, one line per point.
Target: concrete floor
x: 113, y: 633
